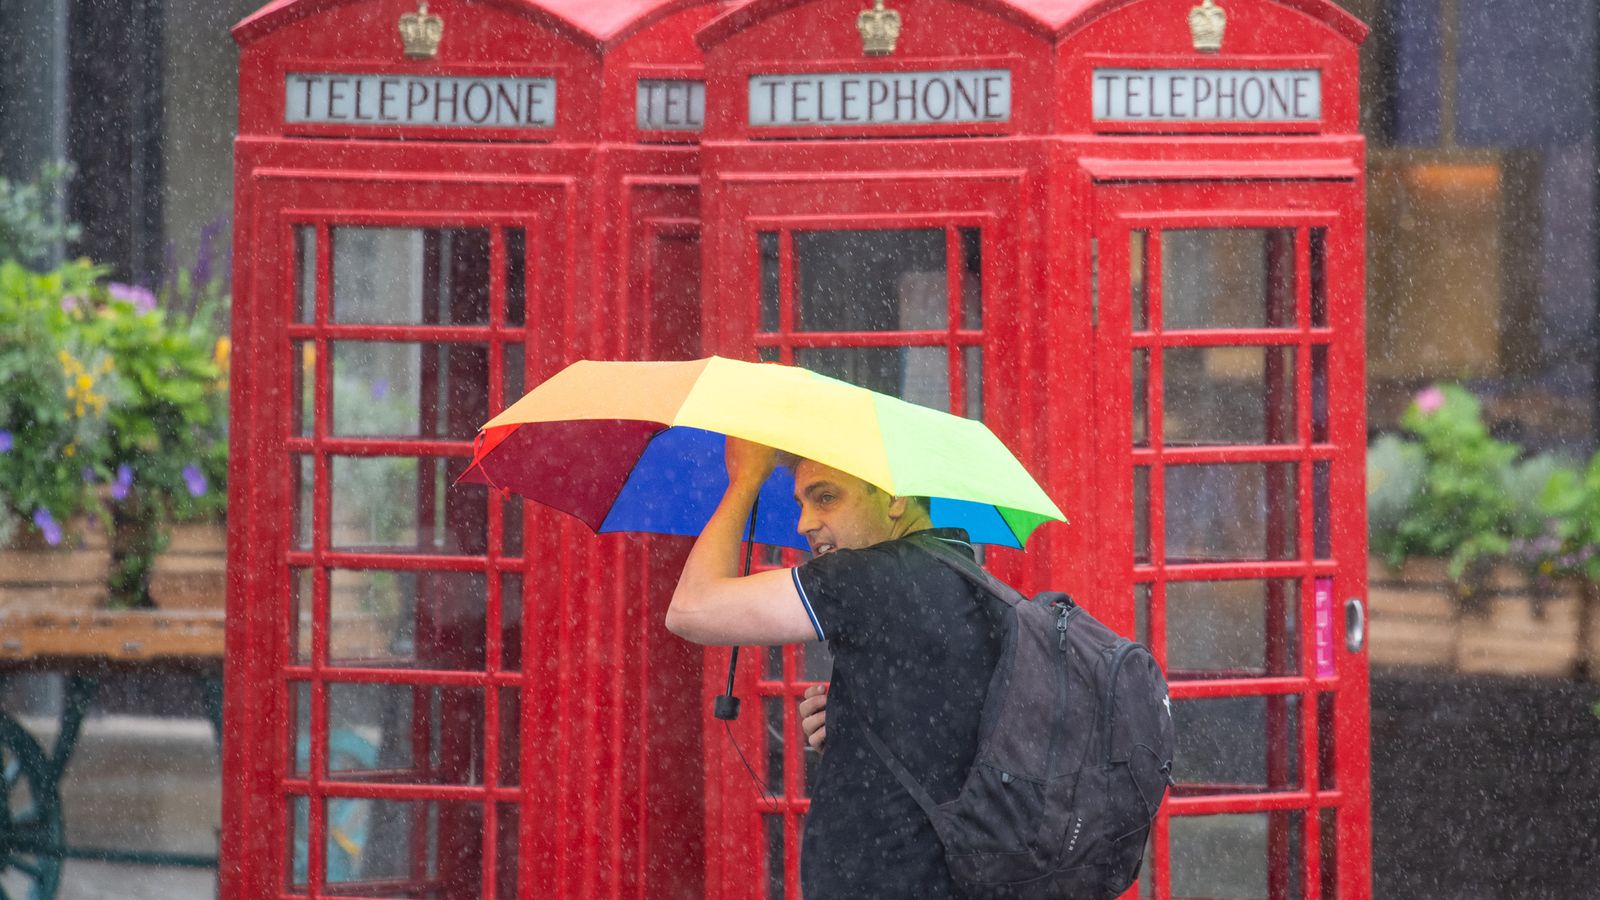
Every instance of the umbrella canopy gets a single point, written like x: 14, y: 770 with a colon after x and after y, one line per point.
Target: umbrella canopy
x: 638, y: 446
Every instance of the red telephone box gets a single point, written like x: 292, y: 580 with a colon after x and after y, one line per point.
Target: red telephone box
x: 433, y: 691
x: 1128, y: 235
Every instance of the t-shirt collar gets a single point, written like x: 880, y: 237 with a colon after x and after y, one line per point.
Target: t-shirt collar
x: 953, y: 537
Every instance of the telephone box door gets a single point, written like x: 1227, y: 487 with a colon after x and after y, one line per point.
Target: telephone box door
x: 1231, y: 441
x: 398, y: 666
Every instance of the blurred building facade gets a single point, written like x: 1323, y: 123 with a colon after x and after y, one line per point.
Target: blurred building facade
x: 1481, y: 117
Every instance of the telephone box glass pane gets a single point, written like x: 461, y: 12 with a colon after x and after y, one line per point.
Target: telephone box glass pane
x: 411, y: 733
x: 305, y: 272
x: 771, y: 292
x: 1236, y: 744
x: 404, y: 619
x: 396, y: 503
x: 392, y: 389
x: 1227, y: 278
x: 1319, y: 278
x: 1141, y: 392
x: 775, y: 708
x: 889, y: 280
x: 1138, y: 296
x: 302, y: 407
x: 297, y: 837
x: 918, y: 374
x: 1231, y: 512
x: 972, y: 362
x: 510, y: 756
x: 299, y: 717
x: 514, y: 374
x: 774, y: 832
x: 411, y: 276
x: 412, y: 841
x: 511, y: 623
x: 516, y: 277
x: 300, y: 478
x: 1141, y: 515
x: 300, y: 617
x: 507, y: 845
x: 816, y: 662
x: 971, y: 278
x: 1228, y: 395
x: 1241, y: 856
x: 1234, y: 628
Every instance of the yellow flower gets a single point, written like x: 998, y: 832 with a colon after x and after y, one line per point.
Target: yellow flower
x: 223, y: 351
x: 85, y: 383
x: 72, y: 449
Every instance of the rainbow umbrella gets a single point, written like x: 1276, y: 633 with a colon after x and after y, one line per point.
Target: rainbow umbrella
x: 638, y: 446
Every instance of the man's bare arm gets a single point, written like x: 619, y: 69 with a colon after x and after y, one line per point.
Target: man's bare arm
x: 713, y: 603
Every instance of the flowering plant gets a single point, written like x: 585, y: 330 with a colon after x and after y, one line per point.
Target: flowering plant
x: 115, y: 407
x: 53, y: 422
x: 1449, y: 488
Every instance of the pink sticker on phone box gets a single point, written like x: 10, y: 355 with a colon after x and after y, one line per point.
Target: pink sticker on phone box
x: 1324, y: 627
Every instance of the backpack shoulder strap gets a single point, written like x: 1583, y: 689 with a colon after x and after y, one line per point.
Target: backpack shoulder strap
x: 971, y: 571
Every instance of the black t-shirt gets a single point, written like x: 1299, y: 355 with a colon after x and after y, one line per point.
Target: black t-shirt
x: 913, y: 648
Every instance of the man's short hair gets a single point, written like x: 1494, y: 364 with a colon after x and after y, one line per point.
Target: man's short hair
x: 790, y: 460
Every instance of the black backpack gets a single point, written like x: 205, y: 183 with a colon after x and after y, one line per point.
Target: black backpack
x: 1074, y: 756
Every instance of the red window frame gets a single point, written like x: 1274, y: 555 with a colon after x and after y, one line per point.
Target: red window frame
x: 284, y: 338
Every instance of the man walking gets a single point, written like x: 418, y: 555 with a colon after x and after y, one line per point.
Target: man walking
x: 913, y: 648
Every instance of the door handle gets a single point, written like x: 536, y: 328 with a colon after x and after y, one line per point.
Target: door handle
x: 1355, y: 625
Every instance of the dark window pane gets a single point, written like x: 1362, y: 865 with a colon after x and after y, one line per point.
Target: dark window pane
x: 1228, y: 395
x: 411, y: 276
x: 1138, y: 294
x: 516, y: 277
x: 393, y: 389
x: 305, y: 270
x: 1233, y: 628
x: 1236, y: 744
x: 405, y: 619
x: 1231, y: 512
x: 771, y: 295
x: 871, y: 280
x: 971, y: 278
x: 918, y: 374
x: 1227, y: 278
x: 1235, y: 856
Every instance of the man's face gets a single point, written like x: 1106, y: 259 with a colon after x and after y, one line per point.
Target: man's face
x: 840, y: 511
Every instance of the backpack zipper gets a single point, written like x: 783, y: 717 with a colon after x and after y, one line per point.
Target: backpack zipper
x: 1063, y: 616
x: 1111, y: 692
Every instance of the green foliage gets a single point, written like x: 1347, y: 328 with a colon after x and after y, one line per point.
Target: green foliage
x: 114, y: 407
x: 1395, y: 470
x: 58, y: 388
x: 30, y: 225
x: 1462, y: 508
x: 1570, y: 546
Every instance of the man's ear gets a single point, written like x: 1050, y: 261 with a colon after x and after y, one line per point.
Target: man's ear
x: 898, y: 507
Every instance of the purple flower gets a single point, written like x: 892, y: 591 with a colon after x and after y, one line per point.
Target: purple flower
x: 119, y: 488
x: 47, y: 526
x: 6, y: 440
x: 380, y: 389
x: 195, y: 480
x: 142, y: 299
x: 71, y: 302
x: 88, y: 475
x: 1430, y: 400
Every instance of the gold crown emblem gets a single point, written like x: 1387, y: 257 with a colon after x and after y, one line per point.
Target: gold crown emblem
x: 421, y: 32
x: 879, y: 28
x: 1206, y: 23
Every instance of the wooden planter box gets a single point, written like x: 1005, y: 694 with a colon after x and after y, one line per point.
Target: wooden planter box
x: 40, y: 577
x: 1416, y: 621
x: 190, y: 574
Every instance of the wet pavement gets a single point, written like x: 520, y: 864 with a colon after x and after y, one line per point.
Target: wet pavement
x: 144, y: 784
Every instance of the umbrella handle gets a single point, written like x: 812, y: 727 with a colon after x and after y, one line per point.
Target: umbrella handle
x: 726, y: 706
